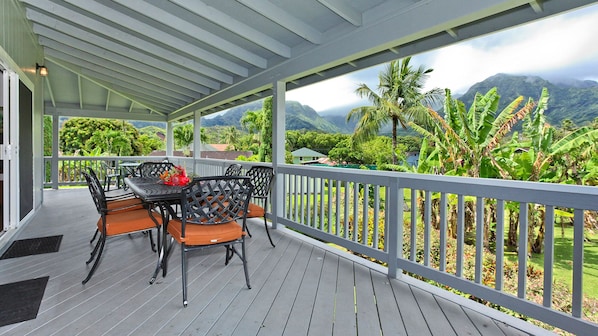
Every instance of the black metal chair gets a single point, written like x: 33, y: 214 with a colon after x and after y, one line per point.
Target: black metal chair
x: 213, y: 214
x: 110, y: 172
x: 116, y: 222
x: 114, y: 202
x: 261, y: 179
x: 233, y: 170
x: 154, y: 169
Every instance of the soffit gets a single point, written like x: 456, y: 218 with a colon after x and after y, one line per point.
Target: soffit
x: 164, y: 60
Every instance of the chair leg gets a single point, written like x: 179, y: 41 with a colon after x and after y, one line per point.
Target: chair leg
x: 241, y: 256
x: 244, y: 259
x: 247, y: 230
x: 152, y: 244
x: 94, y: 236
x: 93, y: 253
x: 184, y: 273
x: 229, y: 254
x: 101, y: 243
x: 268, y: 232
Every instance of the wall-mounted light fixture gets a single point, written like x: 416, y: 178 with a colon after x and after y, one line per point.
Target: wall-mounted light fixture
x: 43, y: 71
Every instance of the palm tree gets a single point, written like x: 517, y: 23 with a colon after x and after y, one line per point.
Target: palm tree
x: 399, y: 100
x: 183, y: 136
x: 231, y: 137
x: 260, y: 123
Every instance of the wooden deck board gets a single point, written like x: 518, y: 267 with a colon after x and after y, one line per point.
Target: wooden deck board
x: 388, y: 309
x: 301, y: 287
x: 413, y: 319
x: 437, y: 322
x: 301, y: 312
x: 365, y: 301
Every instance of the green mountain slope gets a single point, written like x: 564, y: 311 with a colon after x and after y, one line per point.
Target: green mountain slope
x: 299, y: 117
x: 572, y: 99
x: 575, y: 100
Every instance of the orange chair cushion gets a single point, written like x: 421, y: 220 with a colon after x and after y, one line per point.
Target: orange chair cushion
x: 124, y: 205
x: 197, y: 234
x: 127, y: 222
x: 254, y: 210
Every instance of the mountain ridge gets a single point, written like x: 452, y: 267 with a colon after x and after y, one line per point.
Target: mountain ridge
x: 569, y: 99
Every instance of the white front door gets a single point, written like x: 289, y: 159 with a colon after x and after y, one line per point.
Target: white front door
x: 9, y: 107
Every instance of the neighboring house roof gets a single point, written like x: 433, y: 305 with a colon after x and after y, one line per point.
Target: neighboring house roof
x: 218, y: 147
x: 306, y: 152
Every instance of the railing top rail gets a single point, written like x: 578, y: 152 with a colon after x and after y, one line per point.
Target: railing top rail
x: 565, y: 195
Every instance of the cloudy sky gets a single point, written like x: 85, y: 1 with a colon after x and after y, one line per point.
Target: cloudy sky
x: 563, y: 46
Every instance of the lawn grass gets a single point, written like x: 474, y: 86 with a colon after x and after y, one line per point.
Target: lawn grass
x: 563, y: 259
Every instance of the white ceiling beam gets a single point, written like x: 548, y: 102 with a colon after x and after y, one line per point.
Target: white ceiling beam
x: 58, y: 62
x: 50, y: 92
x: 344, y: 10
x: 156, y: 34
x: 117, y: 53
x: 453, y: 33
x: 380, y: 35
x: 80, y: 91
x: 90, y: 61
x: 129, y: 39
x: 194, y: 31
x: 151, y: 75
x: 108, y: 100
x: 100, y: 113
x: 537, y: 6
x: 226, y: 21
x: 160, y: 105
x: 284, y: 19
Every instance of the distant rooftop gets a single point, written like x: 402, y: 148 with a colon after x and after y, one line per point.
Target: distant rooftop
x: 306, y: 152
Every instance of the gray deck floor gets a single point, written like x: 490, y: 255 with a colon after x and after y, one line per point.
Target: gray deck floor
x: 300, y: 287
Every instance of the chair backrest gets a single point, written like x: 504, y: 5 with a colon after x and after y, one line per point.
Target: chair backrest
x: 154, y: 169
x: 261, y: 178
x: 107, y: 167
x: 96, y: 190
x: 233, y: 170
x: 215, y: 200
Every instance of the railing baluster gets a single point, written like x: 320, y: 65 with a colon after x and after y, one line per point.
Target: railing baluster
x: 479, y: 246
x: 355, y: 211
x: 443, y: 228
x: 346, y: 219
x: 578, y: 244
x: 376, y: 236
x: 413, y: 224
x: 366, y: 215
x: 427, y: 227
x: 308, y: 201
x: 522, y: 250
x: 500, y: 244
x: 460, y: 233
x: 548, y: 254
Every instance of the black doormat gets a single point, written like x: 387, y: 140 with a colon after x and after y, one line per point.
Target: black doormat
x: 27, y: 247
x: 21, y: 300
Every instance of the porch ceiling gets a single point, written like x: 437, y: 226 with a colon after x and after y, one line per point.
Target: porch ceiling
x: 163, y: 60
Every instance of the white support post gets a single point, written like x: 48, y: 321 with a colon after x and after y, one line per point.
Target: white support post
x: 197, y: 135
x: 169, y: 139
x: 54, y: 162
x: 278, y: 146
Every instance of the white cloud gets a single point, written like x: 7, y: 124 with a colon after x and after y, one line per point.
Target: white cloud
x: 558, y: 45
x: 321, y: 96
x: 550, y: 45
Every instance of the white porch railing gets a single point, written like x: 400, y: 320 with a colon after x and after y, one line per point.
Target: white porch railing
x: 324, y: 203
x: 66, y: 170
x: 331, y: 204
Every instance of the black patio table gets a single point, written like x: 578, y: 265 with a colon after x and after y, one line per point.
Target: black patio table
x: 153, y: 191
